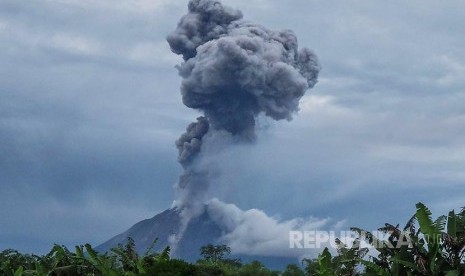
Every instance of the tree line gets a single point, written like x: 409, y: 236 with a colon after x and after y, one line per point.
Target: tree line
x: 424, y: 246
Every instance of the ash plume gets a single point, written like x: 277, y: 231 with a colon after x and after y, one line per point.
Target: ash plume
x: 232, y: 72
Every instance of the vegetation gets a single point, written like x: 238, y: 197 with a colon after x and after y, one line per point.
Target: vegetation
x: 125, y: 261
x: 423, y: 247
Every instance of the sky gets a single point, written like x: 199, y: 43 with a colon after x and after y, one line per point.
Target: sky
x: 90, y: 108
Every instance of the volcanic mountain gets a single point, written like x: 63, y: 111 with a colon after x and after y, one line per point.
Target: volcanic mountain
x: 201, y: 230
x: 233, y: 72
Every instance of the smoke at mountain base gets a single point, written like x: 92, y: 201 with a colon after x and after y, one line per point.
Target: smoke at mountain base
x: 253, y: 232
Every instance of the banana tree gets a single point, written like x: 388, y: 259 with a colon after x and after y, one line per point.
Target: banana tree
x: 454, y: 241
x: 428, y: 250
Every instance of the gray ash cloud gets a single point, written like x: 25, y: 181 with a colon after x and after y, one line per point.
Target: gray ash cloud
x: 233, y: 71
x: 190, y: 142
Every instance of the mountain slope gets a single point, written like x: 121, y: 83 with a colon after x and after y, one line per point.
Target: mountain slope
x: 160, y: 227
x: 200, y: 231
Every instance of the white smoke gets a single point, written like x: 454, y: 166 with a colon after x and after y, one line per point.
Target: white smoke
x: 253, y: 232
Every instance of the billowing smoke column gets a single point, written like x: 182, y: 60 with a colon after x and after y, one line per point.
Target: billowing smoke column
x: 233, y: 71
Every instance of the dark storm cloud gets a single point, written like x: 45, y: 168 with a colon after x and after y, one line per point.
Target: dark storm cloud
x: 90, y: 102
x: 84, y: 124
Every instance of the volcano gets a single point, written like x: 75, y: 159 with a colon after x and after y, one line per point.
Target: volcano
x: 201, y: 230
x: 233, y: 71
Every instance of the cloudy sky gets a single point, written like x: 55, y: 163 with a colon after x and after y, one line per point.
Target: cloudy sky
x: 90, y: 109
